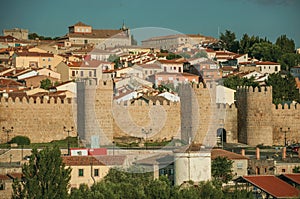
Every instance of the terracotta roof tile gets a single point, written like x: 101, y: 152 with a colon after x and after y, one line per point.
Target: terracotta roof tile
x: 294, y: 177
x: 229, y: 155
x: 15, y: 175
x: 274, y: 186
x: 95, y: 160
x: 4, y: 177
x: 34, y: 54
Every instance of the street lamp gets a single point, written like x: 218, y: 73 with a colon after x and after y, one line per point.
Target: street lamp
x: 285, y: 131
x: 113, y: 148
x: 68, y: 131
x: 7, y: 131
x: 146, y: 133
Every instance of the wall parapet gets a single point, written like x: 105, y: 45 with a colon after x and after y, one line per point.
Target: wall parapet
x: 226, y: 106
x: 35, y: 100
x: 251, y: 89
x: 285, y: 106
x: 150, y: 103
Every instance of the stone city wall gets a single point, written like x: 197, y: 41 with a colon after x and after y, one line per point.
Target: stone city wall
x: 40, y: 120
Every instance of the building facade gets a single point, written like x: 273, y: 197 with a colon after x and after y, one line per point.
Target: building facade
x: 21, y: 34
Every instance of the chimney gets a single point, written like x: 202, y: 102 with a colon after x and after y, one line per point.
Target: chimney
x: 257, y: 153
x: 243, y: 152
x: 283, y: 152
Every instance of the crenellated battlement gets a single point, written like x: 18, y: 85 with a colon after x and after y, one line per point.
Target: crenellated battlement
x: 35, y: 100
x: 144, y: 103
x: 251, y: 89
x: 286, y: 107
x: 226, y: 106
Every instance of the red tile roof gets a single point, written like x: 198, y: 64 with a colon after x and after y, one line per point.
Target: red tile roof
x: 172, y: 61
x: 229, y: 155
x: 15, y: 175
x: 4, y: 177
x: 294, y: 177
x: 266, y: 63
x: 274, y: 186
x: 80, y: 160
x: 33, y: 54
x: 95, y: 160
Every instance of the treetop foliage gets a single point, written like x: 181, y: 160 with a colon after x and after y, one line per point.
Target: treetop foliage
x: 45, y: 176
x: 282, y: 51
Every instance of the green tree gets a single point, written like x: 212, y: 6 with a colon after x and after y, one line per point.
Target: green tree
x: 185, y: 55
x: 284, y: 88
x: 285, y: 44
x: 245, y: 44
x: 289, y: 60
x: 234, y: 81
x: 265, y: 51
x: 221, y: 170
x: 230, y: 42
x: 159, y: 188
x: 296, y: 169
x: 46, y: 84
x: 20, y: 140
x: 171, y: 56
x: 200, y: 54
x: 45, y: 176
x: 116, y: 59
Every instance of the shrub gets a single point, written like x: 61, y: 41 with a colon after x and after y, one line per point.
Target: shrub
x: 20, y: 140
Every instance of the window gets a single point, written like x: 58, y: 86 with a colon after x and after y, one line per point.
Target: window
x: 81, y: 73
x: 73, y: 73
x: 44, y: 59
x: 146, y: 72
x: 96, y: 172
x: 174, y: 68
x: 165, y: 69
x: 276, y: 68
x: 239, y: 165
x: 95, y: 74
x: 179, y: 69
x: 49, y: 59
x: 90, y: 73
x: 283, y: 170
x: 80, y: 172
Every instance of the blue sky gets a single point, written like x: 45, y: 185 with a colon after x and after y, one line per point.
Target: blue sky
x: 265, y: 18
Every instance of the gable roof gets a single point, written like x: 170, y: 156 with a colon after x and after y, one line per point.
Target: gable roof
x: 293, y: 177
x: 229, y: 155
x: 273, y: 186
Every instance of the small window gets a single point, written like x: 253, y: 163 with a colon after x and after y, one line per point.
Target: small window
x: 276, y: 68
x: 80, y: 172
x: 44, y: 59
x: 90, y: 73
x: 239, y: 165
x: 96, y: 172
x: 81, y: 73
x: 73, y: 73
x: 283, y: 170
x: 49, y: 59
